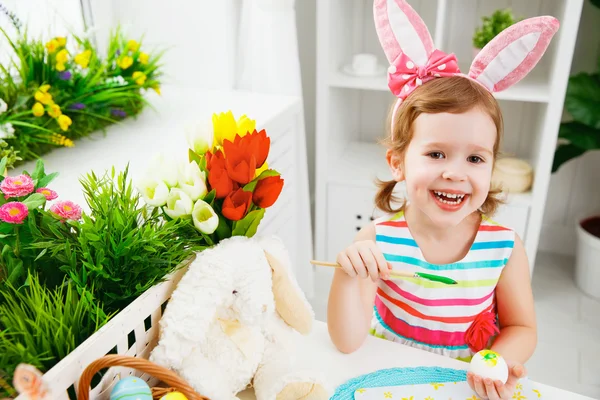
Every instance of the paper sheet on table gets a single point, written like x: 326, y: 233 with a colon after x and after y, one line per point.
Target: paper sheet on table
x: 526, y: 390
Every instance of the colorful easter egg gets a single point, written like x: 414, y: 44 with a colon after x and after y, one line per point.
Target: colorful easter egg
x: 489, y: 364
x: 174, y: 396
x: 131, y: 388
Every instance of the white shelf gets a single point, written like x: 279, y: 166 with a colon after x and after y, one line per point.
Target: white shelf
x: 531, y: 89
x: 360, y: 163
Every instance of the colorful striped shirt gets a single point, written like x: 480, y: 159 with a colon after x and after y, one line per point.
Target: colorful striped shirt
x: 435, y: 316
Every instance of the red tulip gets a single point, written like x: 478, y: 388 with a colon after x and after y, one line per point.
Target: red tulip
x: 218, y: 178
x: 239, y: 162
x: 257, y: 143
x: 267, y: 191
x: 236, y: 204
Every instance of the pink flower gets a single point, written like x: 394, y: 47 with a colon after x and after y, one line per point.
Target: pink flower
x: 13, y: 212
x: 48, y: 193
x: 66, y: 209
x: 17, y: 186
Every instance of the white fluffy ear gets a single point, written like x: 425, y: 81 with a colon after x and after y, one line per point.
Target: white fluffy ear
x: 192, y: 307
x: 511, y: 55
x: 401, y: 29
x: 290, y: 302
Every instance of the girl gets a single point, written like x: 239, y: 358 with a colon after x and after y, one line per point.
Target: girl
x: 445, y: 135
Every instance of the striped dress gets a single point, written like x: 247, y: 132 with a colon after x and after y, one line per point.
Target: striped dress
x: 430, y: 315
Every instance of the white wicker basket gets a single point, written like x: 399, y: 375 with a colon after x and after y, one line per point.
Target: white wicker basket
x: 133, y: 332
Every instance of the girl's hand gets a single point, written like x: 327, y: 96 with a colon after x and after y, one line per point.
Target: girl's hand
x: 364, y: 259
x: 486, y: 388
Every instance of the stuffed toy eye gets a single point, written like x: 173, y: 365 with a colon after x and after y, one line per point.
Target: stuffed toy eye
x: 234, y: 292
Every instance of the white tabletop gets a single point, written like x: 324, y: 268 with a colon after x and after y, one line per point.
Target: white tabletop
x: 378, y: 354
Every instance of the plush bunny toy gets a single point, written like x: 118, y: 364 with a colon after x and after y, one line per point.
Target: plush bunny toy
x: 235, y: 319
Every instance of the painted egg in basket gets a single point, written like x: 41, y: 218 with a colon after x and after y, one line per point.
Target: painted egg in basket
x: 131, y: 388
x: 174, y: 396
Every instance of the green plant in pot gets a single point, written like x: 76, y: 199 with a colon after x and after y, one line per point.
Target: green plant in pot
x: 577, y: 137
x: 491, y: 26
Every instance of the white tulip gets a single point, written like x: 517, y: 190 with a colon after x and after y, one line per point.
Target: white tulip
x: 166, y: 169
x: 179, y: 204
x: 204, y: 217
x: 154, y: 192
x: 192, y: 181
x: 200, y: 136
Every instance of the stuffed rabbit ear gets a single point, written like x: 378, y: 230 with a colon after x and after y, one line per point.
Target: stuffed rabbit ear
x: 511, y: 55
x: 401, y: 30
x: 290, y: 302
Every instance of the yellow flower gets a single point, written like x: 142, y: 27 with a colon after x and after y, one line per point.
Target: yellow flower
x: 62, y: 41
x: 143, y: 59
x: 62, y: 56
x: 132, y: 45
x: 43, y: 96
x: 225, y: 127
x: 125, y: 62
x: 436, y: 386
x: 38, y: 109
x: 52, y: 46
x: 139, y: 77
x: 54, y: 111
x: 64, y: 122
x: 60, y: 67
x: 61, y: 140
x: 156, y: 89
x: 387, y: 395
x: 83, y: 58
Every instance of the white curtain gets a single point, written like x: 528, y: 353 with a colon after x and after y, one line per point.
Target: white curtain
x: 267, y: 58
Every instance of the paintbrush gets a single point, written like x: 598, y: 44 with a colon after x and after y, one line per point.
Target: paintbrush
x: 398, y: 274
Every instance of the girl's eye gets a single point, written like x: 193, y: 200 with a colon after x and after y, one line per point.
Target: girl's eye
x: 436, y: 155
x: 475, y: 159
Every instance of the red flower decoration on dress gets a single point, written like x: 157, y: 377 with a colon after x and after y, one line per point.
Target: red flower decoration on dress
x: 481, y: 331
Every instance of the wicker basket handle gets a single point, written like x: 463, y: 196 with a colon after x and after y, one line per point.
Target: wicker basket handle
x: 165, y: 375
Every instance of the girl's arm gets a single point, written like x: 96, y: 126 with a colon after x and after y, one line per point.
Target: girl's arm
x: 351, y: 299
x: 518, y: 331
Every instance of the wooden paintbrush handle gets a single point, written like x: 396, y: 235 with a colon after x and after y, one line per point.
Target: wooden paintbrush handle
x: 393, y: 273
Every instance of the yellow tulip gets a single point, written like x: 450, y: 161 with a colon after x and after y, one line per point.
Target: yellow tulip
x: 143, y: 59
x: 62, y: 41
x: 132, y: 45
x: 43, y: 97
x: 52, y: 46
x: 62, y: 56
x: 64, y: 122
x: 38, y: 109
x: 125, y: 62
x: 83, y: 59
x: 226, y: 127
x: 60, y: 67
x: 139, y: 77
x: 54, y: 111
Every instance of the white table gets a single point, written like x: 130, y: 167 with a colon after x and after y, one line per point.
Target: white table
x: 378, y: 354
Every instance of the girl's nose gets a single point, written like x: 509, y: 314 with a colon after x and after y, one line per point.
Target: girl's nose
x: 454, y: 175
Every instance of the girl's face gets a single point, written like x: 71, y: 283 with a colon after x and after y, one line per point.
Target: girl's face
x: 448, y: 164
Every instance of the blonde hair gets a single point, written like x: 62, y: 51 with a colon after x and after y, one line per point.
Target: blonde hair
x: 450, y: 95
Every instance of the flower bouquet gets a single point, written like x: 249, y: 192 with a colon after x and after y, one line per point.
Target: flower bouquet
x: 55, y: 92
x: 225, y: 185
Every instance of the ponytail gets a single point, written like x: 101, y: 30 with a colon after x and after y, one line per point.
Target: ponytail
x: 385, y: 197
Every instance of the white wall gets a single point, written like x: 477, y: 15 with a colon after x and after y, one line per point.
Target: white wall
x: 575, y: 188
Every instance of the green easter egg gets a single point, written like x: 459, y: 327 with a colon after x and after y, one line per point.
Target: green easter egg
x: 131, y: 388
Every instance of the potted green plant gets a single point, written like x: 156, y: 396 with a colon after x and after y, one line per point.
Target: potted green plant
x: 492, y: 25
x: 576, y: 137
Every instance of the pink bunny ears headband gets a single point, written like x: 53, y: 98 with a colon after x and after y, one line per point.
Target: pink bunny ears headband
x: 408, y: 46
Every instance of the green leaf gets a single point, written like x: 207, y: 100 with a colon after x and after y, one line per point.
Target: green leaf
x: 210, y: 197
x: 38, y: 172
x: 34, y: 201
x: 41, y: 254
x: 193, y: 156
x: 582, y: 100
x: 580, y: 135
x: 596, y: 3
x: 43, y: 182
x: 248, y: 225
x: 3, y: 165
x: 564, y: 153
x: 223, y: 230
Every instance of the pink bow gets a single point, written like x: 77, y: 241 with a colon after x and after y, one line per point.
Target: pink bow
x: 404, y: 76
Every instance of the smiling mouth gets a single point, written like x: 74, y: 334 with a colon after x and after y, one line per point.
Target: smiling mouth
x: 449, y: 198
